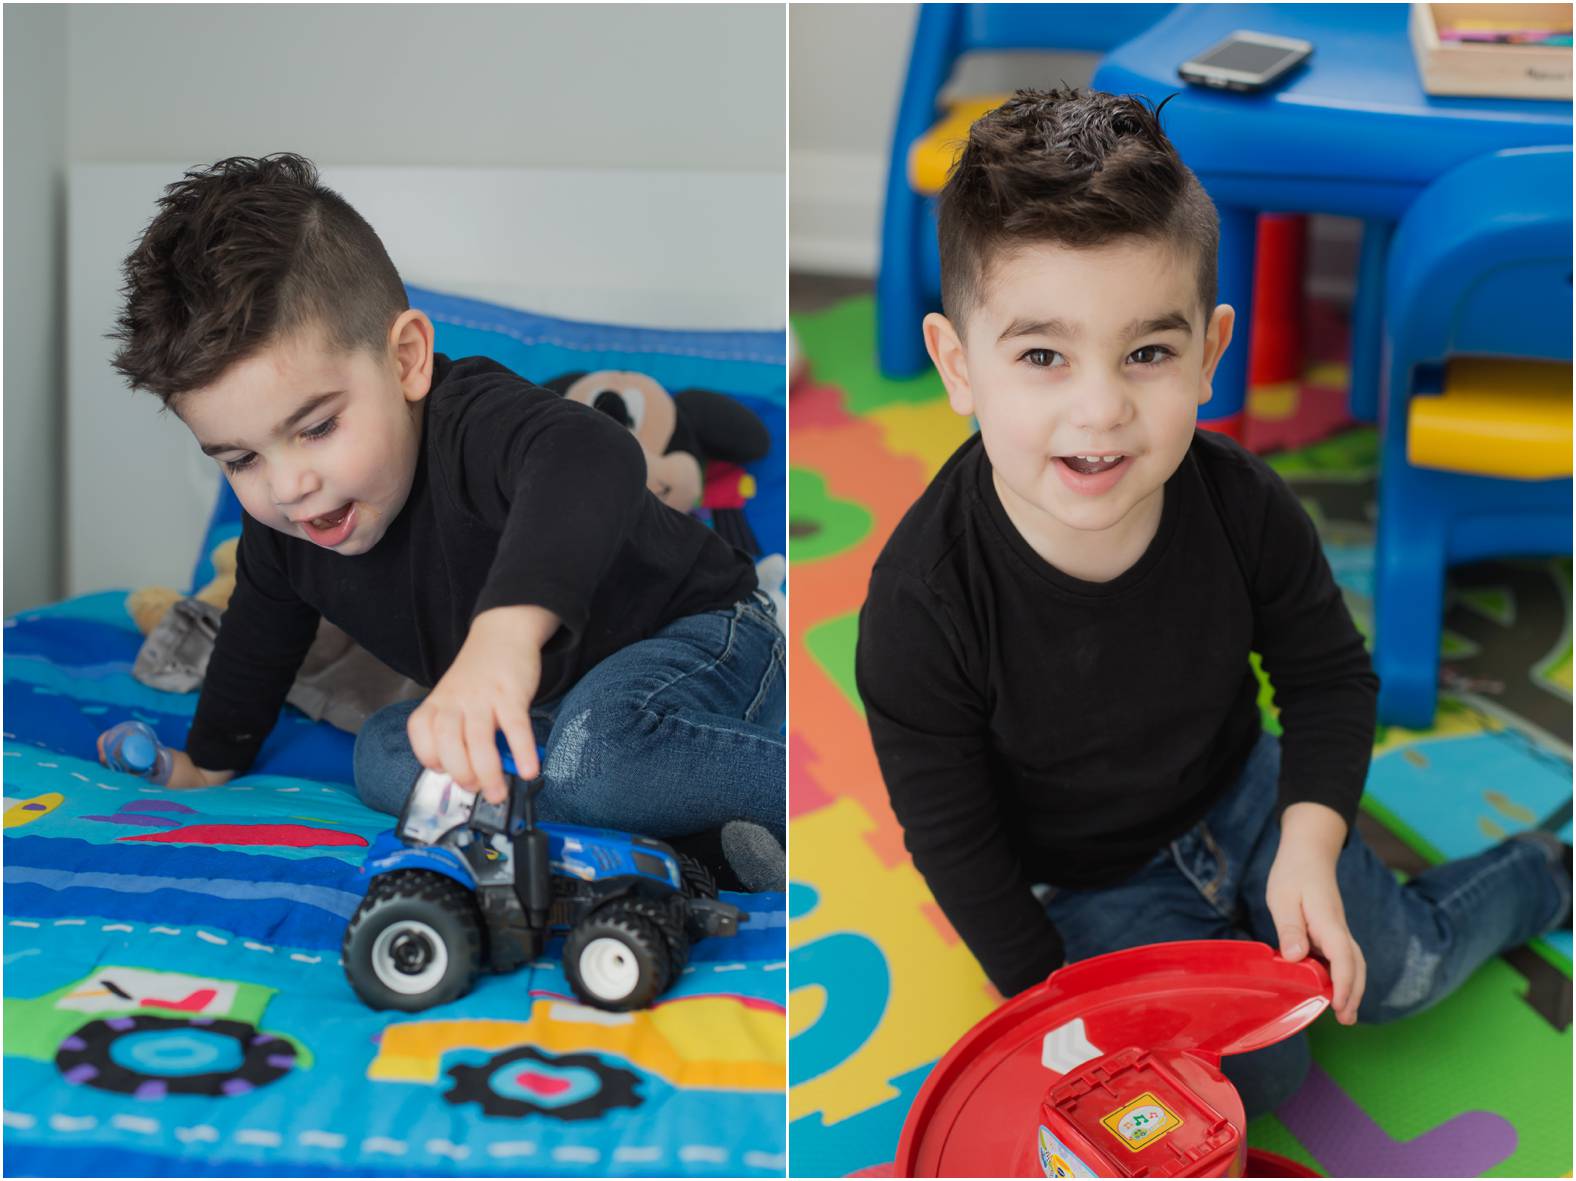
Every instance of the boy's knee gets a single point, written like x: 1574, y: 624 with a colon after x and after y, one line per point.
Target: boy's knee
x: 1410, y: 983
x: 383, y: 765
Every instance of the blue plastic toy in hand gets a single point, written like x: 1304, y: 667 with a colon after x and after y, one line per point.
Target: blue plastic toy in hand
x: 134, y: 748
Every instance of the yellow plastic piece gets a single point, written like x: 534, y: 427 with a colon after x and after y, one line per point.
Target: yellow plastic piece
x: 1507, y: 419
x: 933, y: 154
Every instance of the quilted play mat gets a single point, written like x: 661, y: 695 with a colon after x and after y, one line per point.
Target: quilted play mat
x: 1478, y: 1086
x: 174, y: 1001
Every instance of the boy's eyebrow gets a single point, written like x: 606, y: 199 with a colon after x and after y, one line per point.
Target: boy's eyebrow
x: 289, y: 424
x: 1169, y: 322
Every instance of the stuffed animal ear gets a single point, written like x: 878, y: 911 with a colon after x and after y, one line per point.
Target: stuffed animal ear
x: 723, y: 427
x: 561, y: 384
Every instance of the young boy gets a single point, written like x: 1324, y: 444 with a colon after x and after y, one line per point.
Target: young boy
x: 1054, y: 651
x: 478, y: 534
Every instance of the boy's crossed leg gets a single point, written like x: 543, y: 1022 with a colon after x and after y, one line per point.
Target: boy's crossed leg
x: 1420, y: 939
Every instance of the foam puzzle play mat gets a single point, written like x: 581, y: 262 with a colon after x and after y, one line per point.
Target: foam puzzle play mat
x: 174, y: 999
x: 1480, y: 1085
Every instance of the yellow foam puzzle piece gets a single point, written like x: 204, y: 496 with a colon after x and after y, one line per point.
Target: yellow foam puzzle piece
x: 937, y: 990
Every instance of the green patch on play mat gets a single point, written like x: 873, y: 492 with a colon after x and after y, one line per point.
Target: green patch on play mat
x: 831, y: 645
x: 841, y: 342
x: 1353, y: 452
x: 820, y: 525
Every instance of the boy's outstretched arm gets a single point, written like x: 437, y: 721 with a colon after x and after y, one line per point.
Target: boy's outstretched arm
x: 1305, y: 901
x: 488, y: 688
x: 563, y: 485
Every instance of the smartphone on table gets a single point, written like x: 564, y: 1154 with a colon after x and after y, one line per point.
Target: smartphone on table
x: 1246, y: 61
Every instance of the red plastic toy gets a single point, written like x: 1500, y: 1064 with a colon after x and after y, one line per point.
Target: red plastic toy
x: 1111, y: 1068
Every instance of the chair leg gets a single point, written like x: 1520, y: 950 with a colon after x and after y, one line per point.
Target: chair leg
x: 1367, y: 322
x: 1238, y: 236
x: 900, y: 302
x: 1409, y: 591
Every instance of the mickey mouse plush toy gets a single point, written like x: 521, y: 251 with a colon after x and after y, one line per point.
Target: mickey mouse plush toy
x: 696, y: 442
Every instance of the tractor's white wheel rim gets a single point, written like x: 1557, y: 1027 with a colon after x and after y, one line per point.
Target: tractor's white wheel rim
x: 609, y: 969
x: 409, y: 957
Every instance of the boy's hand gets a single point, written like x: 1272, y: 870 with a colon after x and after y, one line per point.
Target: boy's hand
x: 185, y: 773
x: 488, y: 688
x: 1305, y: 901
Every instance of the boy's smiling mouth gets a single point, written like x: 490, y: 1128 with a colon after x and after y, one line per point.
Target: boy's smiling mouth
x: 332, y: 528
x: 1093, y: 464
x: 1091, y: 474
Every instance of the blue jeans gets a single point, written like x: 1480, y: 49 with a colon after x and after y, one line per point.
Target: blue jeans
x: 674, y: 734
x: 1420, y: 940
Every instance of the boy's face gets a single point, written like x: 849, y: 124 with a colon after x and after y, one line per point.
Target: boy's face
x: 1085, y: 368
x: 317, y: 443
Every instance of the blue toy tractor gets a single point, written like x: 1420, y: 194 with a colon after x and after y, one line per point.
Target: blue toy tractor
x: 460, y: 883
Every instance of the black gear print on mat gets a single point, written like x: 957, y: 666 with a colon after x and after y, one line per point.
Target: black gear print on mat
x: 471, y: 1086
x: 85, y: 1058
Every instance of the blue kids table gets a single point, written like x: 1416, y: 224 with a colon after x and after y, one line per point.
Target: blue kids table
x: 1350, y: 133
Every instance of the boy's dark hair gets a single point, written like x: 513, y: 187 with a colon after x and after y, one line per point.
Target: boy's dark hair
x: 239, y: 254
x: 1074, y: 167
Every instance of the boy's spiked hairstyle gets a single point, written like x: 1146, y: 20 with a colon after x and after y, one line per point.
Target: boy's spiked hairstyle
x: 240, y: 254
x: 1074, y: 167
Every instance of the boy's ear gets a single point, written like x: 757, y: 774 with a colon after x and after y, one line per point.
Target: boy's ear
x: 946, y: 353
x: 410, y: 342
x: 1217, y: 335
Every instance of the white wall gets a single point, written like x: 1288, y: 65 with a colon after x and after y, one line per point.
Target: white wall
x: 35, y: 92
x: 688, y: 87
x: 660, y: 86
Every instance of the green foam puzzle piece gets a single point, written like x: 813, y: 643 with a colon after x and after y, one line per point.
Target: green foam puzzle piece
x: 820, y: 525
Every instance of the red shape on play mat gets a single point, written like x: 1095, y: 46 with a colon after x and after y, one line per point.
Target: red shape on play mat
x: 294, y: 836
x: 817, y: 405
x: 193, y: 1002
x: 542, y: 1084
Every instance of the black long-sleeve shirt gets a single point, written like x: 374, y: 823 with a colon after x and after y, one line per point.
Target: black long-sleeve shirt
x: 1035, y: 727
x: 519, y: 497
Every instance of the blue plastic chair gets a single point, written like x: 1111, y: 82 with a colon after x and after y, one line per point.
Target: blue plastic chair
x: 909, y: 283
x: 1479, y: 266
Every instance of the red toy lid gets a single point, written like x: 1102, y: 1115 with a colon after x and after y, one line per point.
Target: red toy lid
x: 977, y: 1112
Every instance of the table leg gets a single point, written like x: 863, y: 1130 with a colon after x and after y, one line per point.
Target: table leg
x: 1238, y: 236
x: 1368, y: 321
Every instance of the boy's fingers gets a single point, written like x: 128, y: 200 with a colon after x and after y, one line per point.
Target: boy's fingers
x: 1360, y: 984
x: 522, y: 745
x: 479, y: 738
x: 1290, y: 934
x: 418, y: 728
x: 451, y: 749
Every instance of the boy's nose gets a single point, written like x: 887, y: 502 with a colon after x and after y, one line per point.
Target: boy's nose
x: 293, y: 485
x: 1099, y: 407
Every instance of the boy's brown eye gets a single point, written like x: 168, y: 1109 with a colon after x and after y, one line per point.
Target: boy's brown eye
x: 1041, y: 358
x: 1151, y: 354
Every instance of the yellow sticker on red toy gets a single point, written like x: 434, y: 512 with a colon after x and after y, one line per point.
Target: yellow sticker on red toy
x: 1142, y: 1122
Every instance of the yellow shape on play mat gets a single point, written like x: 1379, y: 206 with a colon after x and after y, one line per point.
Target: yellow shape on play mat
x: 710, y: 1042
x: 1509, y: 419
x: 937, y: 990
x: 932, y: 154
x: 927, y: 431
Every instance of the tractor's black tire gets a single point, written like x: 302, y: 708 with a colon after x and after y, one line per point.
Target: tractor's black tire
x: 698, y: 881
x: 434, y: 915
x: 616, y: 959
x: 667, y: 916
